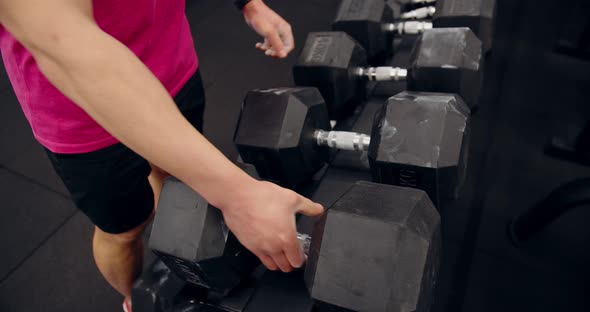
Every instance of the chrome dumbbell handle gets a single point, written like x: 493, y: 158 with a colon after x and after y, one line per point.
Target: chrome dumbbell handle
x: 305, y: 242
x: 383, y: 73
x: 408, y: 27
x: 343, y: 140
x: 420, y: 13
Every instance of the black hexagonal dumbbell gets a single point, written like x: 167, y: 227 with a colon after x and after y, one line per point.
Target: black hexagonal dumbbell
x: 477, y: 15
x: 445, y: 60
x: 392, y: 233
x: 418, y: 139
x: 156, y: 289
x: 372, y: 24
x: 190, y: 237
x: 376, y: 249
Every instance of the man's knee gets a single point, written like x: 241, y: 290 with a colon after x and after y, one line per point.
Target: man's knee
x: 128, y: 237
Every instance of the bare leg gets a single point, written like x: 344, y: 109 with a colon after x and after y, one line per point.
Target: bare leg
x: 119, y: 257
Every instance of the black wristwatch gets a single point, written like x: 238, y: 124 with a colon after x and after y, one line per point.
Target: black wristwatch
x: 240, y: 4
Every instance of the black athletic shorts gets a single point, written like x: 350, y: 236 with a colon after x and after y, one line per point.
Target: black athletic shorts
x: 111, y: 185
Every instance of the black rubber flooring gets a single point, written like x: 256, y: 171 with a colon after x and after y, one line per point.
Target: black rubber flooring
x: 530, y: 92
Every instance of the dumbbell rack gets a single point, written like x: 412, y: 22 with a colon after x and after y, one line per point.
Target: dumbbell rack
x: 287, y: 292
x: 273, y: 291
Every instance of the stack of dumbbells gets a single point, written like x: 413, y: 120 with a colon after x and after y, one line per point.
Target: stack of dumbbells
x: 377, y: 247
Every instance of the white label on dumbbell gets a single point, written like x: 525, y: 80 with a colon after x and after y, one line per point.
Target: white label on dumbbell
x: 319, y: 49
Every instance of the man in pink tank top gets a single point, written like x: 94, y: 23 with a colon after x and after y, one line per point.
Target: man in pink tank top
x: 112, y: 91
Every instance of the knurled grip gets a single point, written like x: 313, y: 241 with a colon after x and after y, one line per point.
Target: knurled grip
x: 304, y: 242
x: 385, y: 73
x: 343, y: 140
x: 413, y: 27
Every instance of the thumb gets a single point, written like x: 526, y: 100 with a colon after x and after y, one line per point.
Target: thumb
x: 310, y: 208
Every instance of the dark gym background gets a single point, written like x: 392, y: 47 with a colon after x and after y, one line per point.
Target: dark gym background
x: 530, y: 92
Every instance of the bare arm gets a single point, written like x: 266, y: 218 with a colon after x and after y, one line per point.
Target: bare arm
x: 115, y: 88
x: 111, y: 84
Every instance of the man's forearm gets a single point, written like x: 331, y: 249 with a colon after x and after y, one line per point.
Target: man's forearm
x: 112, y: 85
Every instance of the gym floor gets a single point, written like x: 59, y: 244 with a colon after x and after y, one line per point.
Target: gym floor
x: 530, y: 92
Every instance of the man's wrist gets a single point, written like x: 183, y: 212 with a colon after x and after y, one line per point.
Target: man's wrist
x: 231, y: 188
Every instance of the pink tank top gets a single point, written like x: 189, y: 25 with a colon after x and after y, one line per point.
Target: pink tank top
x: 157, y: 31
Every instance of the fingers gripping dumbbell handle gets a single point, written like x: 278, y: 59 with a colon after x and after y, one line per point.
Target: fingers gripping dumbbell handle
x: 407, y: 28
x: 343, y: 140
x: 384, y: 73
x: 419, y: 13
